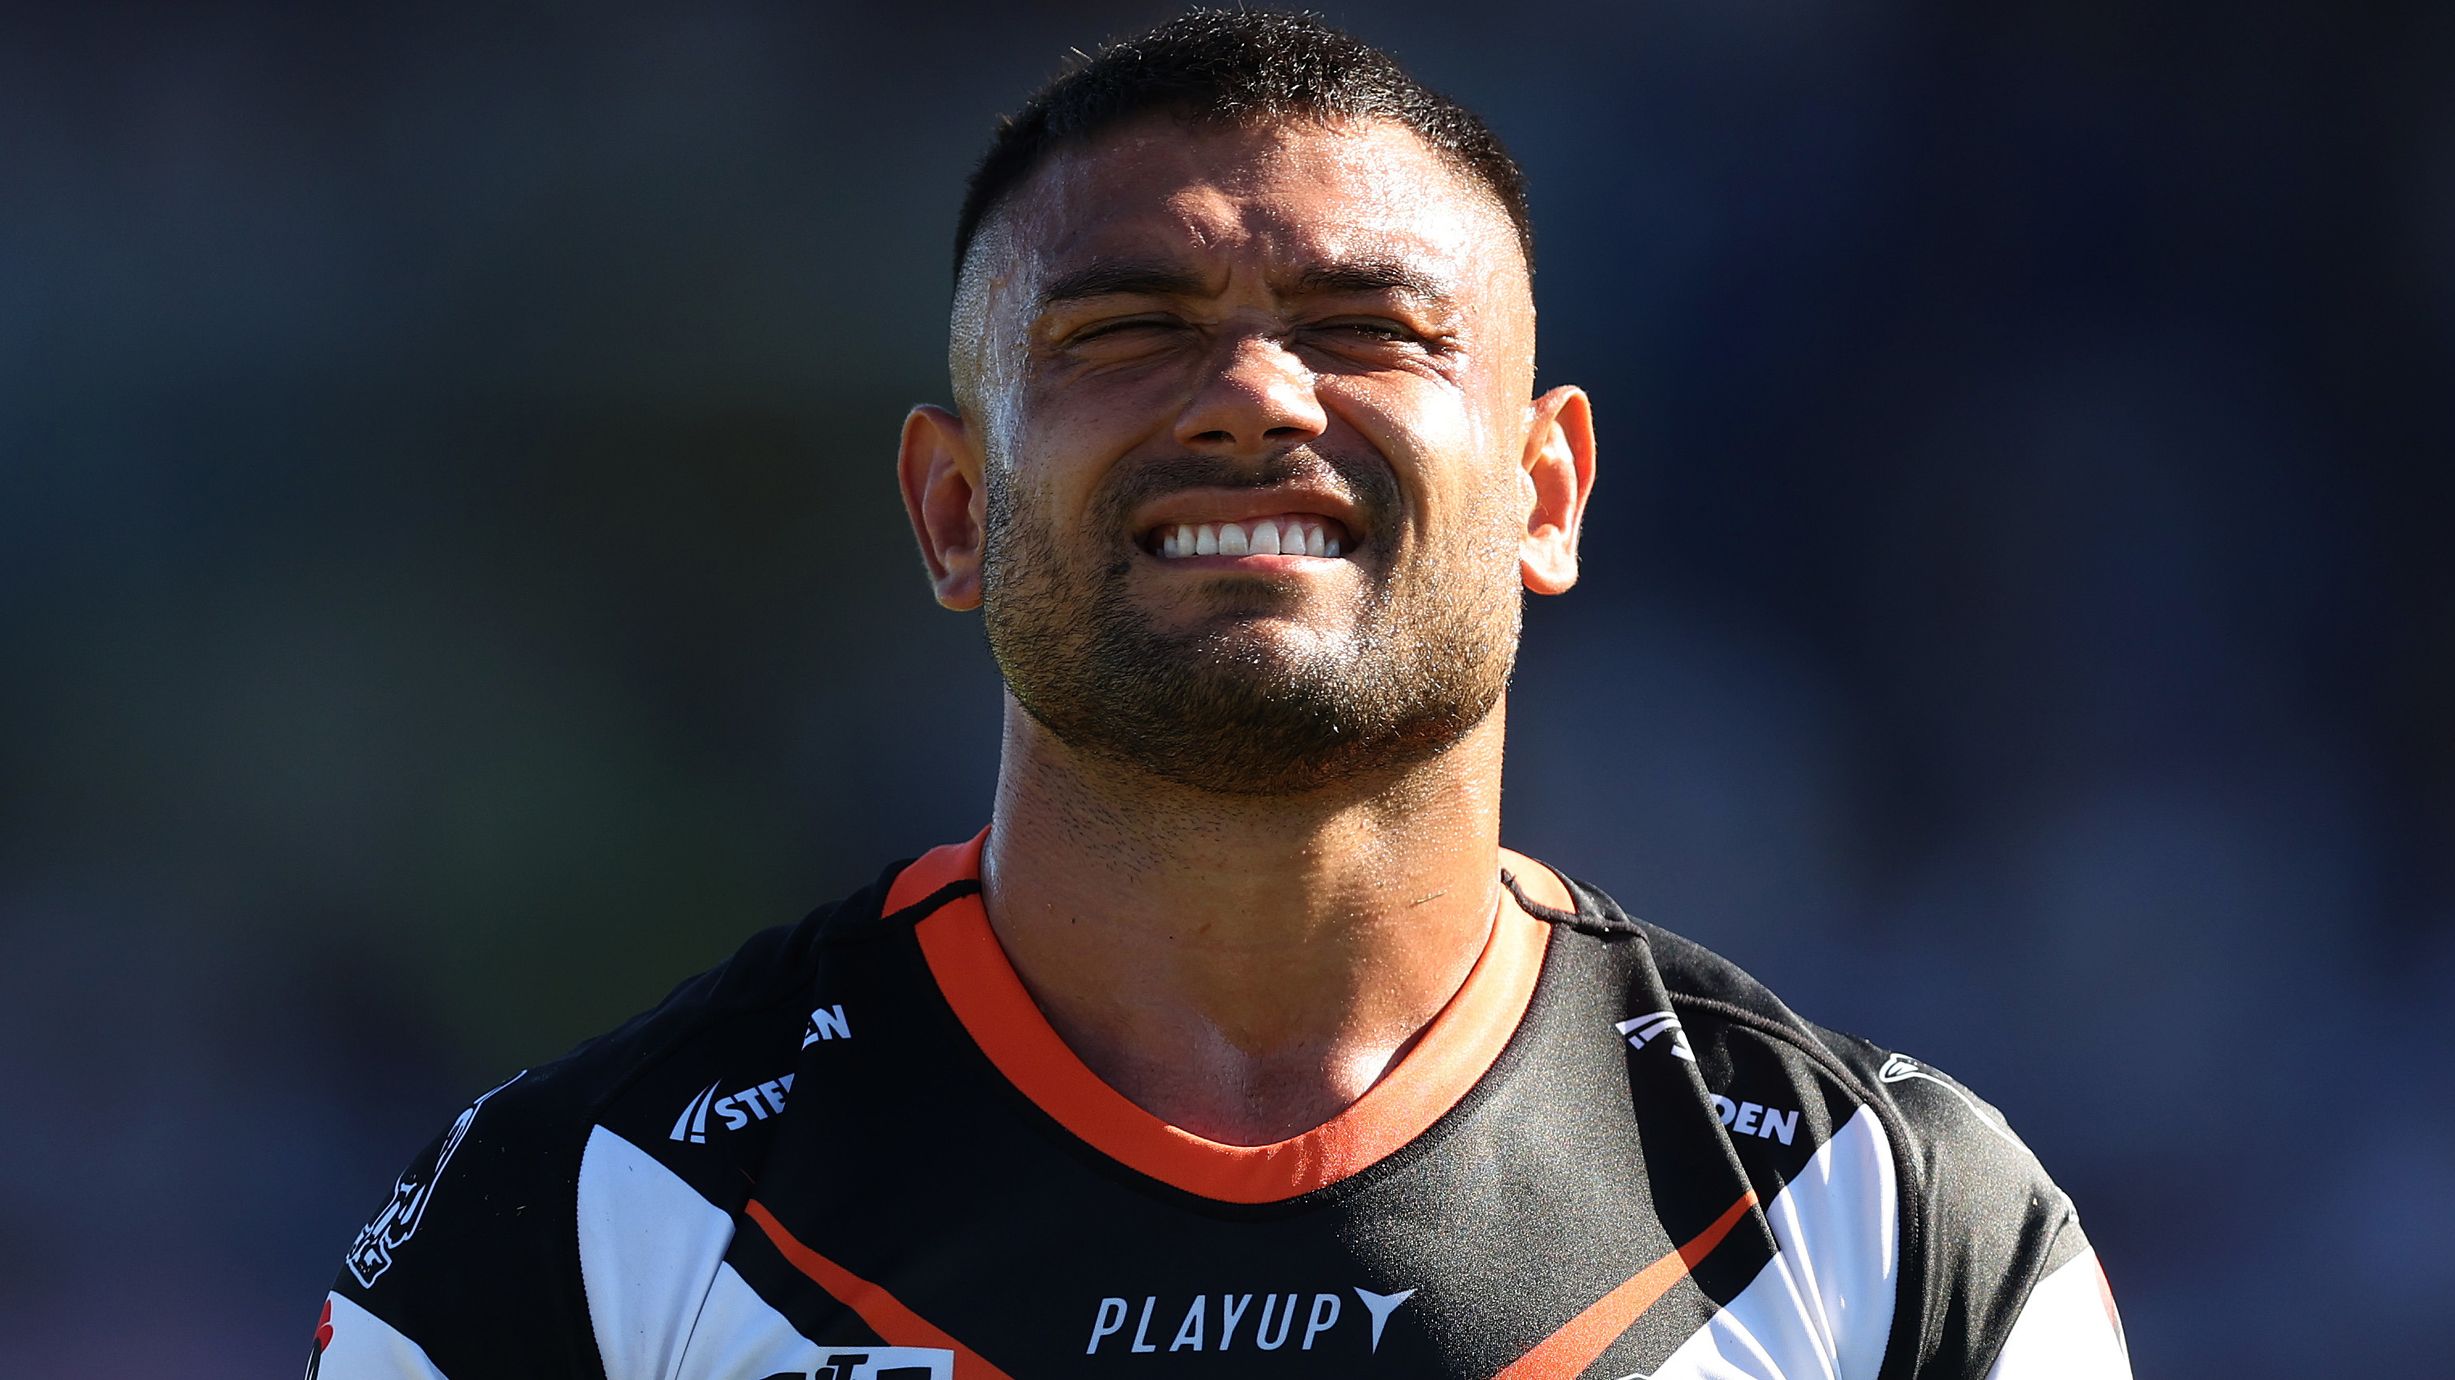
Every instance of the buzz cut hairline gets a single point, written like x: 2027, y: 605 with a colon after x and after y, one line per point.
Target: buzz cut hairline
x: 1228, y: 68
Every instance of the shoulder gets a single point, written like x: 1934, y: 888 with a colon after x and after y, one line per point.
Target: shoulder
x: 1977, y: 1222
x: 1728, y: 1021
x: 475, y: 1262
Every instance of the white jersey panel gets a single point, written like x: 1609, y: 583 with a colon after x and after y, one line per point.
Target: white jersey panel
x: 365, y: 1347
x: 2067, y: 1330
x: 649, y: 1248
x: 1821, y: 1309
x: 740, y: 1333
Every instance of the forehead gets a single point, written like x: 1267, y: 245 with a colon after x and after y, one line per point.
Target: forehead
x: 1282, y: 195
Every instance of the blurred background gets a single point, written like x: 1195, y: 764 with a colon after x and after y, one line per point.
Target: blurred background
x: 452, y: 584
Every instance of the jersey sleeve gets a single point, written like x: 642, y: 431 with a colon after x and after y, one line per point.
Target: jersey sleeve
x: 2011, y: 1289
x: 470, y: 1270
x: 2068, y: 1325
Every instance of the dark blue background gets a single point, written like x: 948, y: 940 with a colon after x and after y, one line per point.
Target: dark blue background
x: 451, y: 584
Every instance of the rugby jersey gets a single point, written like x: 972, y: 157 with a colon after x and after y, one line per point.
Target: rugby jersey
x: 857, y: 1151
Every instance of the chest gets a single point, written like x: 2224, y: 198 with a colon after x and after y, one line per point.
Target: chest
x: 903, y: 1209
x: 1541, y: 1229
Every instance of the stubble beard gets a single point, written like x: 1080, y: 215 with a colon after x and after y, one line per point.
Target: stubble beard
x: 1228, y: 706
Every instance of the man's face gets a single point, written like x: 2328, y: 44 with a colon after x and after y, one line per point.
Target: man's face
x: 1189, y: 347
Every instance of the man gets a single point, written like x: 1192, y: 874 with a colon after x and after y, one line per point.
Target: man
x: 1235, y: 1045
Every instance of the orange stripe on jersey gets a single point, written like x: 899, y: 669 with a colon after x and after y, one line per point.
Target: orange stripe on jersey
x: 1567, y: 1352
x: 895, y: 1324
x: 1453, y: 1053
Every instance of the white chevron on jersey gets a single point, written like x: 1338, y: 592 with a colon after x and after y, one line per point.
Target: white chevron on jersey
x: 1822, y: 1307
x: 662, y: 1301
x: 365, y: 1347
x: 649, y: 1246
x: 2067, y: 1330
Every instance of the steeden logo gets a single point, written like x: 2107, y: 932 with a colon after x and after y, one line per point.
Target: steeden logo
x: 826, y: 1023
x: 757, y: 1102
x: 1654, y: 1025
x: 1756, y: 1119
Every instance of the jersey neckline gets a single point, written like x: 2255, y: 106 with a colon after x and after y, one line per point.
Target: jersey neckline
x: 988, y: 998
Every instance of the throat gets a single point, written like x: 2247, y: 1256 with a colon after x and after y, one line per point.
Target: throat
x: 1244, y: 969
x: 1232, y: 1097
x: 1247, y: 1043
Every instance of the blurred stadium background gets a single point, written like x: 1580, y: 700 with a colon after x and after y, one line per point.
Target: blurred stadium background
x: 451, y: 584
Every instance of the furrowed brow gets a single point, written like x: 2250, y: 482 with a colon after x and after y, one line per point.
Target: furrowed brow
x: 1359, y: 276
x: 1119, y: 279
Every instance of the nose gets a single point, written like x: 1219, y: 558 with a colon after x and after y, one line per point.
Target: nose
x: 1255, y: 396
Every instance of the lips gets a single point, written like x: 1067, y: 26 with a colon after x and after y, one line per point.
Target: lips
x: 1275, y: 534
x: 1281, y: 512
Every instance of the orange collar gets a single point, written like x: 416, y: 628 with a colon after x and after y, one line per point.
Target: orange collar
x: 1454, y: 1053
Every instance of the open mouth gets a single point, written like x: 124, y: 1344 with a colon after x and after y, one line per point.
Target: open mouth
x: 1285, y: 534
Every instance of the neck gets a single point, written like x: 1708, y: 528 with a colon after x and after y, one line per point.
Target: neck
x: 1242, y: 967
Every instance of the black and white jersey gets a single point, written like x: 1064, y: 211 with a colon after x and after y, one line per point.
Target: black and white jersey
x: 857, y: 1151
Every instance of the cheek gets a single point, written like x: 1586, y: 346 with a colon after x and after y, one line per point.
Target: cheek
x: 1064, y: 434
x: 1441, y: 449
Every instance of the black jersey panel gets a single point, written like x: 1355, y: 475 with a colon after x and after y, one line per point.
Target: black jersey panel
x: 1979, y: 1219
x: 475, y: 1256
x: 1995, y: 1224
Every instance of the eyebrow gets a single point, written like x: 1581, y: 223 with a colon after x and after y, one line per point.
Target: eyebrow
x: 1117, y: 278
x: 1374, y: 275
x: 1143, y: 279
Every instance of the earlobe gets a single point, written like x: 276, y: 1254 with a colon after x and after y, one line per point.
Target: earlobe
x: 1559, y: 474
x: 940, y: 473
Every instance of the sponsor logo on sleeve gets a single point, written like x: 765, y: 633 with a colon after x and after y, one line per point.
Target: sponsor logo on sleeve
x: 412, y: 1194
x: 1244, y: 1323
x: 1900, y: 1068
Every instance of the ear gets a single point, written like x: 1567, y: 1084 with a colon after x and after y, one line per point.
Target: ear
x: 1559, y: 473
x: 944, y: 498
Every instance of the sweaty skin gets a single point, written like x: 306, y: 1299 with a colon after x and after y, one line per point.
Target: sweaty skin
x: 1245, y: 842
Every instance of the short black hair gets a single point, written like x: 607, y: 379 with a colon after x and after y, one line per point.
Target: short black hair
x: 1236, y: 67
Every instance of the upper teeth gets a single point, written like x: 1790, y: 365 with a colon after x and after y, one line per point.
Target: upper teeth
x: 1291, y: 535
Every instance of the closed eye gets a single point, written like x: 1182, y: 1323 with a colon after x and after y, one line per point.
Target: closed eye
x: 1378, y: 333
x: 1129, y: 324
